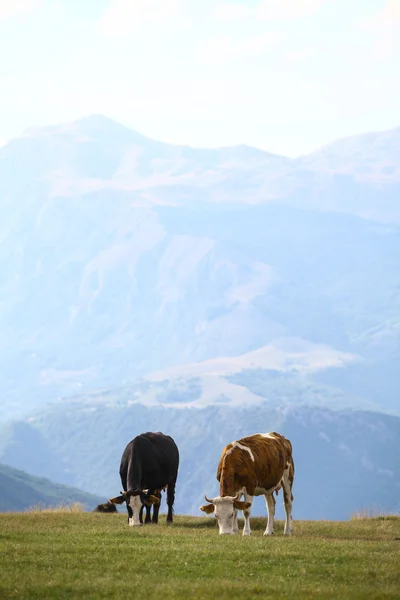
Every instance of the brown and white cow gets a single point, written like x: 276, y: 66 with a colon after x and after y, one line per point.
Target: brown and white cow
x: 255, y: 465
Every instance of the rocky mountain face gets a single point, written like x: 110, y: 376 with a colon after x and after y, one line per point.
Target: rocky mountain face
x: 150, y: 286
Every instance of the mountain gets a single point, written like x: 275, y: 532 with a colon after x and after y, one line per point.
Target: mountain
x: 20, y: 491
x: 345, y: 460
x: 122, y: 258
x: 207, y: 293
x: 369, y: 157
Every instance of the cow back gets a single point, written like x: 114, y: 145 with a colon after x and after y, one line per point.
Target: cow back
x: 254, y: 462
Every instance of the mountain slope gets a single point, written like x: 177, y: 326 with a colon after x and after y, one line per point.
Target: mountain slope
x: 121, y: 256
x: 20, y: 491
x: 371, y: 156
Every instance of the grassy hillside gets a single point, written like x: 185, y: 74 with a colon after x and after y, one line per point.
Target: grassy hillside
x: 20, y: 491
x: 98, y: 556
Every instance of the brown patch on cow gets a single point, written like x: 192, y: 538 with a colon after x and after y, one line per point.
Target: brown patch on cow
x: 207, y: 508
x: 241, y: 505
x: 150, y: 500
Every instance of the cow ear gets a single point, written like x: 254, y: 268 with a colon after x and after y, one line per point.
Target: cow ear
x: 153, y: 499
x: 241, y: 505
x: 117, y: 500
x: 207, y: 508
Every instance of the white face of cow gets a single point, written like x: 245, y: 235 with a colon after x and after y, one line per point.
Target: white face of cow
x: 135, y: 504
x: 224, y: 509
x: 225, y: 512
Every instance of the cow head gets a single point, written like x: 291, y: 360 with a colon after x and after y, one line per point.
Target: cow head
x: 225, y: 511
x: 135, y: 499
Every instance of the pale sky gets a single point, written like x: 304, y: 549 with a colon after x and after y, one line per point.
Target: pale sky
x: 284, y: 75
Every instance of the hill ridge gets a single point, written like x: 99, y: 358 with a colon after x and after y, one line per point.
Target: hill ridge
x: 21, y: 491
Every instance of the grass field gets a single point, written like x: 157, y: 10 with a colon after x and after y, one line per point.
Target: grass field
x: 83, y: 555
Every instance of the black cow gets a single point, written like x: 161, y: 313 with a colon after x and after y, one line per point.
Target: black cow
x: 149, y: 463
x: 107, y: 507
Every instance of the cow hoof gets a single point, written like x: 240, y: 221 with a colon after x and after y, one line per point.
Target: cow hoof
x: 246, y: 533
x: 268, y: 533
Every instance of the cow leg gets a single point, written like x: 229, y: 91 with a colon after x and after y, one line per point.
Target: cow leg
x: 170, y: 501
x: 287, y: 482
x: 130, y: 515
x: 270, y: 502
x: 235, y: 517
x: 156, y: 508
x: 235, y: 522
x: 148, y: 514
x: 246, y: 515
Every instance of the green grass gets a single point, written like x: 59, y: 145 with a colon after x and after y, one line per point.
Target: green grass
x: 87, y: 555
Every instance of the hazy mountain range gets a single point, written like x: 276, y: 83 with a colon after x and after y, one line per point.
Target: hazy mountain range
x: 140, y: 276
x: 345, y: 460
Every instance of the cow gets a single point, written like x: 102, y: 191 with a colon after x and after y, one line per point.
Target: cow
x: 107, y: 507
x: 149, y: 463
x: 255, y: 465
